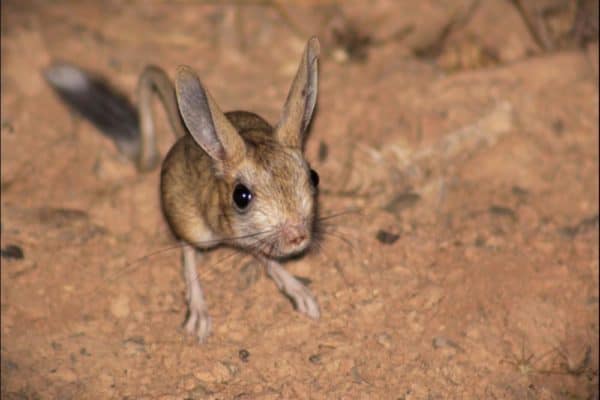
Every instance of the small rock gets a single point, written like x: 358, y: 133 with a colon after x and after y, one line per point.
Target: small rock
x: 479, y: 241
x: 427, y: 297
x: 339, y: 55
x: 333, y: 366
x: 120, y: 306
x: 502, y: 211
x: 402, y: 201
x: 9, y: 365
x: 385, y: 340
x: 135, y: 344
x: 356, y: 376
x: 7, y: 126
x: 558, y: 126
x: 222, y: 372
x: 519, y: 191
x: 12, y: 252
x: 315, y: 359
x: 205, y: 376
x: 233, y: 368
x: 244, y: 355
x: 441, y: 342
x: 386, y: 237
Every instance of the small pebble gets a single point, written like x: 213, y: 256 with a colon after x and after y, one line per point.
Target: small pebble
x: 120, y: 306
x: 136, y: 339
x: 558, y: 126
x: 502, y: 211
x: 12, y: 252
x: 233, y: 368
x: 356, y: 377
x: 479, y: 241
x: 402, y: 201
x: 519, y: 191
x: 7, y: 126
x: 385, y: 340
x: 440, y: 341
x: 315, y: 359
x: 386, y: 237
x: 244, y: 355
x: 9, y: 365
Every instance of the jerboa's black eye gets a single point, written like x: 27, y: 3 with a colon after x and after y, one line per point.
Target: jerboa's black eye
x: 314, y: 178
x: 242, y: 196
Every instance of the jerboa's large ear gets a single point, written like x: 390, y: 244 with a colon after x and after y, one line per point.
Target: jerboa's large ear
x: 301, y: 100
x: 207, y: 124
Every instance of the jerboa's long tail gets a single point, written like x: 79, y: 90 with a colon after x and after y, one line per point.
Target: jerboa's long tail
x: 94, y: 99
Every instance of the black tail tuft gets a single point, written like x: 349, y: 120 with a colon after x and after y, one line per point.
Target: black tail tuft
x: 97, y: 101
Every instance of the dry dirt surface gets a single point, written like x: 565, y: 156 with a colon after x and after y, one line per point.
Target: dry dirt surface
x: 458, y: 141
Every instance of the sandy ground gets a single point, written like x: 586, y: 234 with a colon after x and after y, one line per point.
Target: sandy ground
x: 468, y: 146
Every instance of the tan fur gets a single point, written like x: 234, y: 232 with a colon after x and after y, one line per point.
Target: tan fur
x: 198, y: 204
x: 202, y: 169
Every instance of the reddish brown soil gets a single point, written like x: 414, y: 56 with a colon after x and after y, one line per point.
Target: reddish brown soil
x: 476, y: 153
